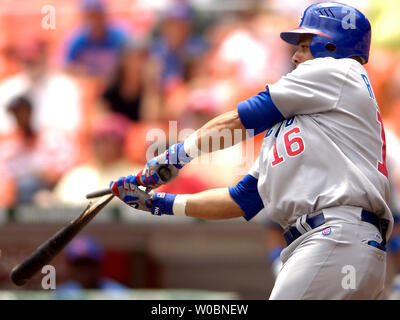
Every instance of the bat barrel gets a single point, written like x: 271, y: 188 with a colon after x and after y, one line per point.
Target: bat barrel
x: 21, y: 273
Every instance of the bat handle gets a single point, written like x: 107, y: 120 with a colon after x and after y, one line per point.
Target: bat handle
x: 98, y: 193
x: 163, y: 172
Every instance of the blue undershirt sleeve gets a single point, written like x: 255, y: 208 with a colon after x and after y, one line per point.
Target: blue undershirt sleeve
x: 259, y: 112
x: 245, y: 194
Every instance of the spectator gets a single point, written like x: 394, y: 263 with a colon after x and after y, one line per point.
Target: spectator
x: 106, y: 160
x: 31, y: 162
x: 18, y: 152
x: 134, y: 92
x: 97, y: 46
x: 84, y: 259
x: 246, y: 52
x: 55, y: 97
x: 176, y: 44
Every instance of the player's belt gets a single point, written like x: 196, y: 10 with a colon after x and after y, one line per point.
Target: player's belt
x: 305, y: 224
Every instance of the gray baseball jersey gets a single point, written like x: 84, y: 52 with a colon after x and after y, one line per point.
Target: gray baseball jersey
x: 331, y: 151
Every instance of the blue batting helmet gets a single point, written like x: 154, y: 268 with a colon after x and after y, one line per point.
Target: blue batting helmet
x: 339, y: 31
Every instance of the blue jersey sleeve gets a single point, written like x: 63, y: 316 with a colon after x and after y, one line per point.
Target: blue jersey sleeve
x: 259, y: 112
x: 74, y: 48
x: 245, y: 194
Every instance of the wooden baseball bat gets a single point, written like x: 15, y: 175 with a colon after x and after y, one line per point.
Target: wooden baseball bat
x: 163, y: 172
x: 21, y: 273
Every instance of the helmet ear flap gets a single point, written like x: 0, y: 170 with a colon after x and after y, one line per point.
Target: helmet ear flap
x: 321, y: 46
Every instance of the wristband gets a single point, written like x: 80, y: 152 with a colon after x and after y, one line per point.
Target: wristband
x: 162, y: 203
x: 167, y: 203
x: 179, y: 206
x: 177, y: 156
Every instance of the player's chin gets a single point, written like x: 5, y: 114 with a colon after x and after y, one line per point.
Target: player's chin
x: 298, y: 63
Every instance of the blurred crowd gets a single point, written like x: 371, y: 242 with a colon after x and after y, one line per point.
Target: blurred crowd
x: 76, y: 104
x: 77, y: 101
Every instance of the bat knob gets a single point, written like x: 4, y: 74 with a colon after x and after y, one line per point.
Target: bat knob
x: 164, y: 173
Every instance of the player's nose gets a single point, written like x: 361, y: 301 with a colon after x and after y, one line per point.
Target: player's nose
x: 296, y: 59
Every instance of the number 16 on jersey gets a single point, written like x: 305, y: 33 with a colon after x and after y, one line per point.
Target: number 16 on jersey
x: 294, y: 145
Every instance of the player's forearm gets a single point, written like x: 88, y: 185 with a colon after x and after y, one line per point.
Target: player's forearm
x: 221, y: 132
x: 214, y: 204
x: 217, y: 134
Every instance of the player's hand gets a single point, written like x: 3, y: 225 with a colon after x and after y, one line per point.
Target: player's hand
x: 128, y: 191
x: 173, y: 159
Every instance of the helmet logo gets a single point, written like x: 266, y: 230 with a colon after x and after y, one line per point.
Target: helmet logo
x: 349, y: 20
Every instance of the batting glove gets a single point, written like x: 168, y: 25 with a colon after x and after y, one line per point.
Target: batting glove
x: 127, y: 190
x: 173, y: 159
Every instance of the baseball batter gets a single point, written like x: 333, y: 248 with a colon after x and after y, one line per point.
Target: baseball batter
x: 321, y: 173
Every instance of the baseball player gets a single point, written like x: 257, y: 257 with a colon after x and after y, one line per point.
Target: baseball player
x: 321, y: 173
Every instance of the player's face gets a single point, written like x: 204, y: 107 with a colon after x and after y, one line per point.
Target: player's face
x: 303, y: 52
